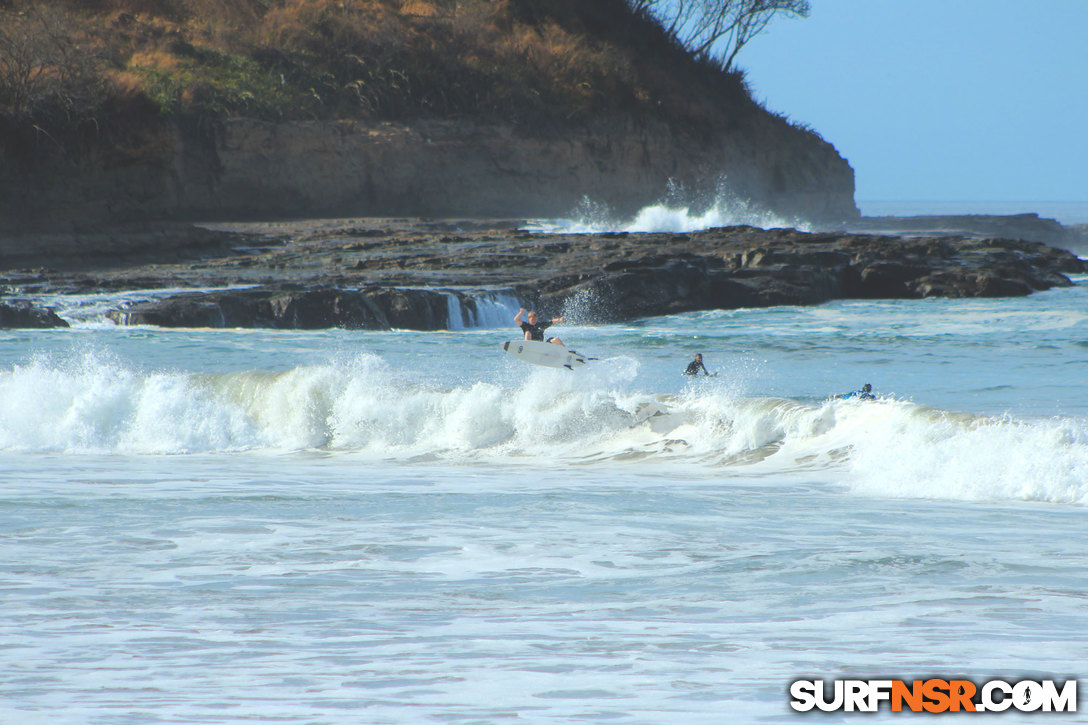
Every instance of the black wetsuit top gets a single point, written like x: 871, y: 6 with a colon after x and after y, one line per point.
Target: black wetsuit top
x: 693, y: 368
x: 536, y: 332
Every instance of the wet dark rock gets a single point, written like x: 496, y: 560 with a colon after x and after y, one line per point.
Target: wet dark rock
x: 1077, y: 239
x: 299, y: 308
x: 412, y: 275
x: 786, y: 267
x: 18, y: 315
x: 887, y: 279
x: 102, y: 247
x: 1027, y: 227
x: 273, y: 306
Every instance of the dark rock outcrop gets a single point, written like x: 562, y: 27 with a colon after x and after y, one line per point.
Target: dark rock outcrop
x: 791, y: 268
x: 409, y: 275
x: 1026, y: 227
x: 301, y: 308
x: 90, y: 247
x: 1029, y: 227
x: 1078, y: 239
x: 27, y: 316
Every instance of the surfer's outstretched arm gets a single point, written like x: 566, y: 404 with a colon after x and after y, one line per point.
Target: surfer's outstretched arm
x: 556, y: 340
x: 517, y: 317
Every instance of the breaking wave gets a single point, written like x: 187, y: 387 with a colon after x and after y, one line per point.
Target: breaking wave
x: 676, y: 214
x: 361, y: 407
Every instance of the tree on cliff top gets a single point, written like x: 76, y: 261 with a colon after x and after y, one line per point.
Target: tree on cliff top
x: 43, y: 68
x: 718, y: 28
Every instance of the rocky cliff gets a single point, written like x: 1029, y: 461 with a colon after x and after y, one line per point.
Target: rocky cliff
x: 245, y: 168
x: 276, y: 108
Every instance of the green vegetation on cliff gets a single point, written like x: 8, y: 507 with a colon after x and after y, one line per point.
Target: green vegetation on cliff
x: 104, y: 65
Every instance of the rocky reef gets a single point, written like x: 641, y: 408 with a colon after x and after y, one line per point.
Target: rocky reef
x: 433, y: 275
x: 1030, y: 227
x: 21, y: 315
x: 744, y: 267
x: 294, y: 306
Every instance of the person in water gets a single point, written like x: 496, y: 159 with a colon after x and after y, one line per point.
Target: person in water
x: 866, y: 393
x: 534, y: 328
x: 695, y: 365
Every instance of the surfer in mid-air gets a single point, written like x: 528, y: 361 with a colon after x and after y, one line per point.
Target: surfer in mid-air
x: 695, y: 365
x: 534, y: 328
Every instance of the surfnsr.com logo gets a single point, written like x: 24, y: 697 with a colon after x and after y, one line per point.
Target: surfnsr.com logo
x: 933, y: 695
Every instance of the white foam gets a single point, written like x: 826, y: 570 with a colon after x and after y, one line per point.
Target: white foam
x: 98, y: 405
x: 723, y: 213
x: 674, y: 215
x: 455, y: 313
x: 905, y: 450
x: 488, y: 309
x: 495, y: 309
x: 360, y: 406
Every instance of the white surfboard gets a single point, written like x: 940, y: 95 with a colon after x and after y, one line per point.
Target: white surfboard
x: 544, y: 353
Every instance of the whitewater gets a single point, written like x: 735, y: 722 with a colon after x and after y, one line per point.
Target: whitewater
x: 227, y: 526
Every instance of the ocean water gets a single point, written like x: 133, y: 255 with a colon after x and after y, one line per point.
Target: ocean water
x: 237, y: 526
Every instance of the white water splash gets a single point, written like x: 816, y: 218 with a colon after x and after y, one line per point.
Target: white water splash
x: 487, y: 309
x: 675, y: 214
x: 362, y: 406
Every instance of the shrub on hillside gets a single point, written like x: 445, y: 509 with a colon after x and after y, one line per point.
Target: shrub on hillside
x: 45, y: 67
x: 533, y: 62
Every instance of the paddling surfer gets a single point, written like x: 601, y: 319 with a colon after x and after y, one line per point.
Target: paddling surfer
x: 866, y: 393
x: 534, y: 327
x: 695, y: 365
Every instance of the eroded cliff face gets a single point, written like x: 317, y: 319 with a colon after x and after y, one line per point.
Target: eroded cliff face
x: 246, y: 168
x: 465, y: 169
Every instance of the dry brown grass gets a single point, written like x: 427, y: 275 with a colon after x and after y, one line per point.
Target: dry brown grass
x: 534, y: 62
x: 421, y: 9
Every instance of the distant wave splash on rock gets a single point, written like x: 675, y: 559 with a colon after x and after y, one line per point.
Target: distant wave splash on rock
x: 675, y: 213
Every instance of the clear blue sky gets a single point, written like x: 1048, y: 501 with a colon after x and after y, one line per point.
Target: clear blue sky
x: 938, y: 100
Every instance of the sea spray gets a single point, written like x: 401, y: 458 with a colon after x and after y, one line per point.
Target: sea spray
x: 905, y: 450
x: 676, y: 213
x: 94, y: 403
x: 359, y: 405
